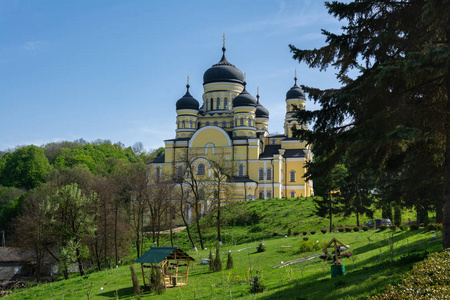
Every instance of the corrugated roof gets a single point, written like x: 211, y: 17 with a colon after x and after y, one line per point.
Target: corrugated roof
x: 157, y: 254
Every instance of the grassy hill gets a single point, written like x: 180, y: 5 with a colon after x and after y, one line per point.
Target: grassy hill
x: 379, y: 258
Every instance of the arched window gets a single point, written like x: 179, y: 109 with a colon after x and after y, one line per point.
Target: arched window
x: 216, y: 123
x: 261, y: 174
x: 158, y: 174
x: 269, y: 174
x: 261, y: 195
x: 292, y: 176
x: 224, y: 124
x: 292, y: 194
x: 294, y: 125
x: 218, y: 103
x: 241, y: 170
x: 211, y: 104
x: 183, y: 124
x: 199, y: 124
x: 207, y: 104
x: 190, y: 124
x: 207, y: 123
x: 241, y: 122
x: 225, y: 103
x: 201, y: 169
x: 273, y: 142
x: 269, y: 195
x: 249, y: 122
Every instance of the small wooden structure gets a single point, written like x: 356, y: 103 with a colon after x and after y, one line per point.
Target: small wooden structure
x: 336, y: 247
x: 168, y: 258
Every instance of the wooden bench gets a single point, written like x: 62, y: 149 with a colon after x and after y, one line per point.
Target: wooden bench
x: 281, y: 247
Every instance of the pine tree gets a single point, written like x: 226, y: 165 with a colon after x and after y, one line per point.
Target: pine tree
x: 398, y: 102
x: 211, y: 261
x: 217, y: 262
x: 230, y: 263
x: 156, y: 280
x: 135, y: 280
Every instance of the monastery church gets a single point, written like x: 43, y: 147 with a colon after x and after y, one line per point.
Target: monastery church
x: 231, y: 126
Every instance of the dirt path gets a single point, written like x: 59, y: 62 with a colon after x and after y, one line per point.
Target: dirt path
x: 296, y: 261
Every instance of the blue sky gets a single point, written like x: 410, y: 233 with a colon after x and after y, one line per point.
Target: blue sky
x: 115, y: 69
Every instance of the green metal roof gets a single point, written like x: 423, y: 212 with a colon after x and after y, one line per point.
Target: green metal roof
x: 157, y: 254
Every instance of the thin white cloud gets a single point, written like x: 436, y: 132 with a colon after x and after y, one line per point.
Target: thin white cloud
x: 34, y: 47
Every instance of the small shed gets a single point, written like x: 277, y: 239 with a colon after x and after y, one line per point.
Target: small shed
x: 169, y: 258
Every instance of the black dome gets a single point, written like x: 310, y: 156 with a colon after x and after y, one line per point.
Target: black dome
x: 295, y: 92
x: 187, y: 101
x: 244, y: 99
x: 223, y: 71
x: 261, y: 111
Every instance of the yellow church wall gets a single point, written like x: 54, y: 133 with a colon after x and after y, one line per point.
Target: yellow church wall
x: 205, y: 136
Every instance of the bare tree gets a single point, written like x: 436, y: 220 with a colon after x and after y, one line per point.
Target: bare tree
x: 222, y: 186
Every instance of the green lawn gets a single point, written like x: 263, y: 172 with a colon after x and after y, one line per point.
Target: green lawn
x: 373, y: 266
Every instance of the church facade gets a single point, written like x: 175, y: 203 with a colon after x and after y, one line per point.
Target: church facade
x: 230, y: 126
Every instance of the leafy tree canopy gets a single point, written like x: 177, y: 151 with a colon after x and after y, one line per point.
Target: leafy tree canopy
x: 398, y: 103
x: 25, y: 168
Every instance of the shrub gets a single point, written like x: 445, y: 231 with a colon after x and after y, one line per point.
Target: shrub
x: 156, y: 280
x: 323, y: 231
x: 431, y: 227
x: 289, y: 232
x: 275, y: 233
x: 230, y: 263
x: 365, y: 228
x: 356, y: 229
x: 340, y: 229
x: 211, y: 261
x: 429, y: 276
x: 414, y: 227
x: 313, y: 232
x: 217, y: 262
x: 305, y: 232
x: 256, y: 285
x: 404, y: 227
x: 305, y: 238
x: 261, y: 248
x: 383, y: 227
x: 439, y: 226
x: 310, y: 246
x: 135, y: 280
x: 348, y: 229
x: 346, y: 254
x: 393, y: 227
x: 296, y: 233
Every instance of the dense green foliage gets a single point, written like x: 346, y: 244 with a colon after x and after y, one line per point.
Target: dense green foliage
x: 428, y: 280
x: 26, y: 168
x: 392, y: 121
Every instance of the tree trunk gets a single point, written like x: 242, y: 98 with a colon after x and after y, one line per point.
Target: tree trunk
x: 357, y: 218
x: 197, y: 221
x: 446, y: 190
x: 182, y: 213
x: 80, y: 264
x: 330, y: 211
x: 219, y: 237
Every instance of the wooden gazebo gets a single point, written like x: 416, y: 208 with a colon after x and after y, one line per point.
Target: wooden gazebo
x: 173, y: 273
x: 337, y: 245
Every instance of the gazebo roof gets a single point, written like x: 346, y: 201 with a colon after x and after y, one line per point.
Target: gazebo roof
x: 157, y: 254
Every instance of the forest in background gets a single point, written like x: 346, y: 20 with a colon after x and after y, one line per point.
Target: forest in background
x: 72, y: 199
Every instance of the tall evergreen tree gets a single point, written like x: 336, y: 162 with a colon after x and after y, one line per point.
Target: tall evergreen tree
x: 399, y: 99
